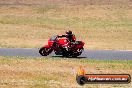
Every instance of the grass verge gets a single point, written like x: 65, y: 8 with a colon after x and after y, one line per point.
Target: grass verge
x: 99, y: 26
x: 54, y: 72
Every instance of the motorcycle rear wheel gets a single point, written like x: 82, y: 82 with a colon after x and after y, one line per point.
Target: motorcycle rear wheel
x: 79, y: 52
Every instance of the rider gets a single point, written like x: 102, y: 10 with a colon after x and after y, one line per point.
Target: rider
x: 71, y: 37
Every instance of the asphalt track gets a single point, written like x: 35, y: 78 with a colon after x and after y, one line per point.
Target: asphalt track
x: 91, y: 54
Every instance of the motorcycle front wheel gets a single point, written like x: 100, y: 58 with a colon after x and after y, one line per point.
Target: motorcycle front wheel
x: 45, y: 51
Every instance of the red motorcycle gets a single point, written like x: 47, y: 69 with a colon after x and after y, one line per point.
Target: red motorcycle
x: 61, y: 46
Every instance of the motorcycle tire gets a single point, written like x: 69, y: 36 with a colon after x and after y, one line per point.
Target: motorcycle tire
x: 78, y: 53
x: 45, y: 51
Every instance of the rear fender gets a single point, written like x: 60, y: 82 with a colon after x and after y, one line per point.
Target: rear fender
x: 80, y: 45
